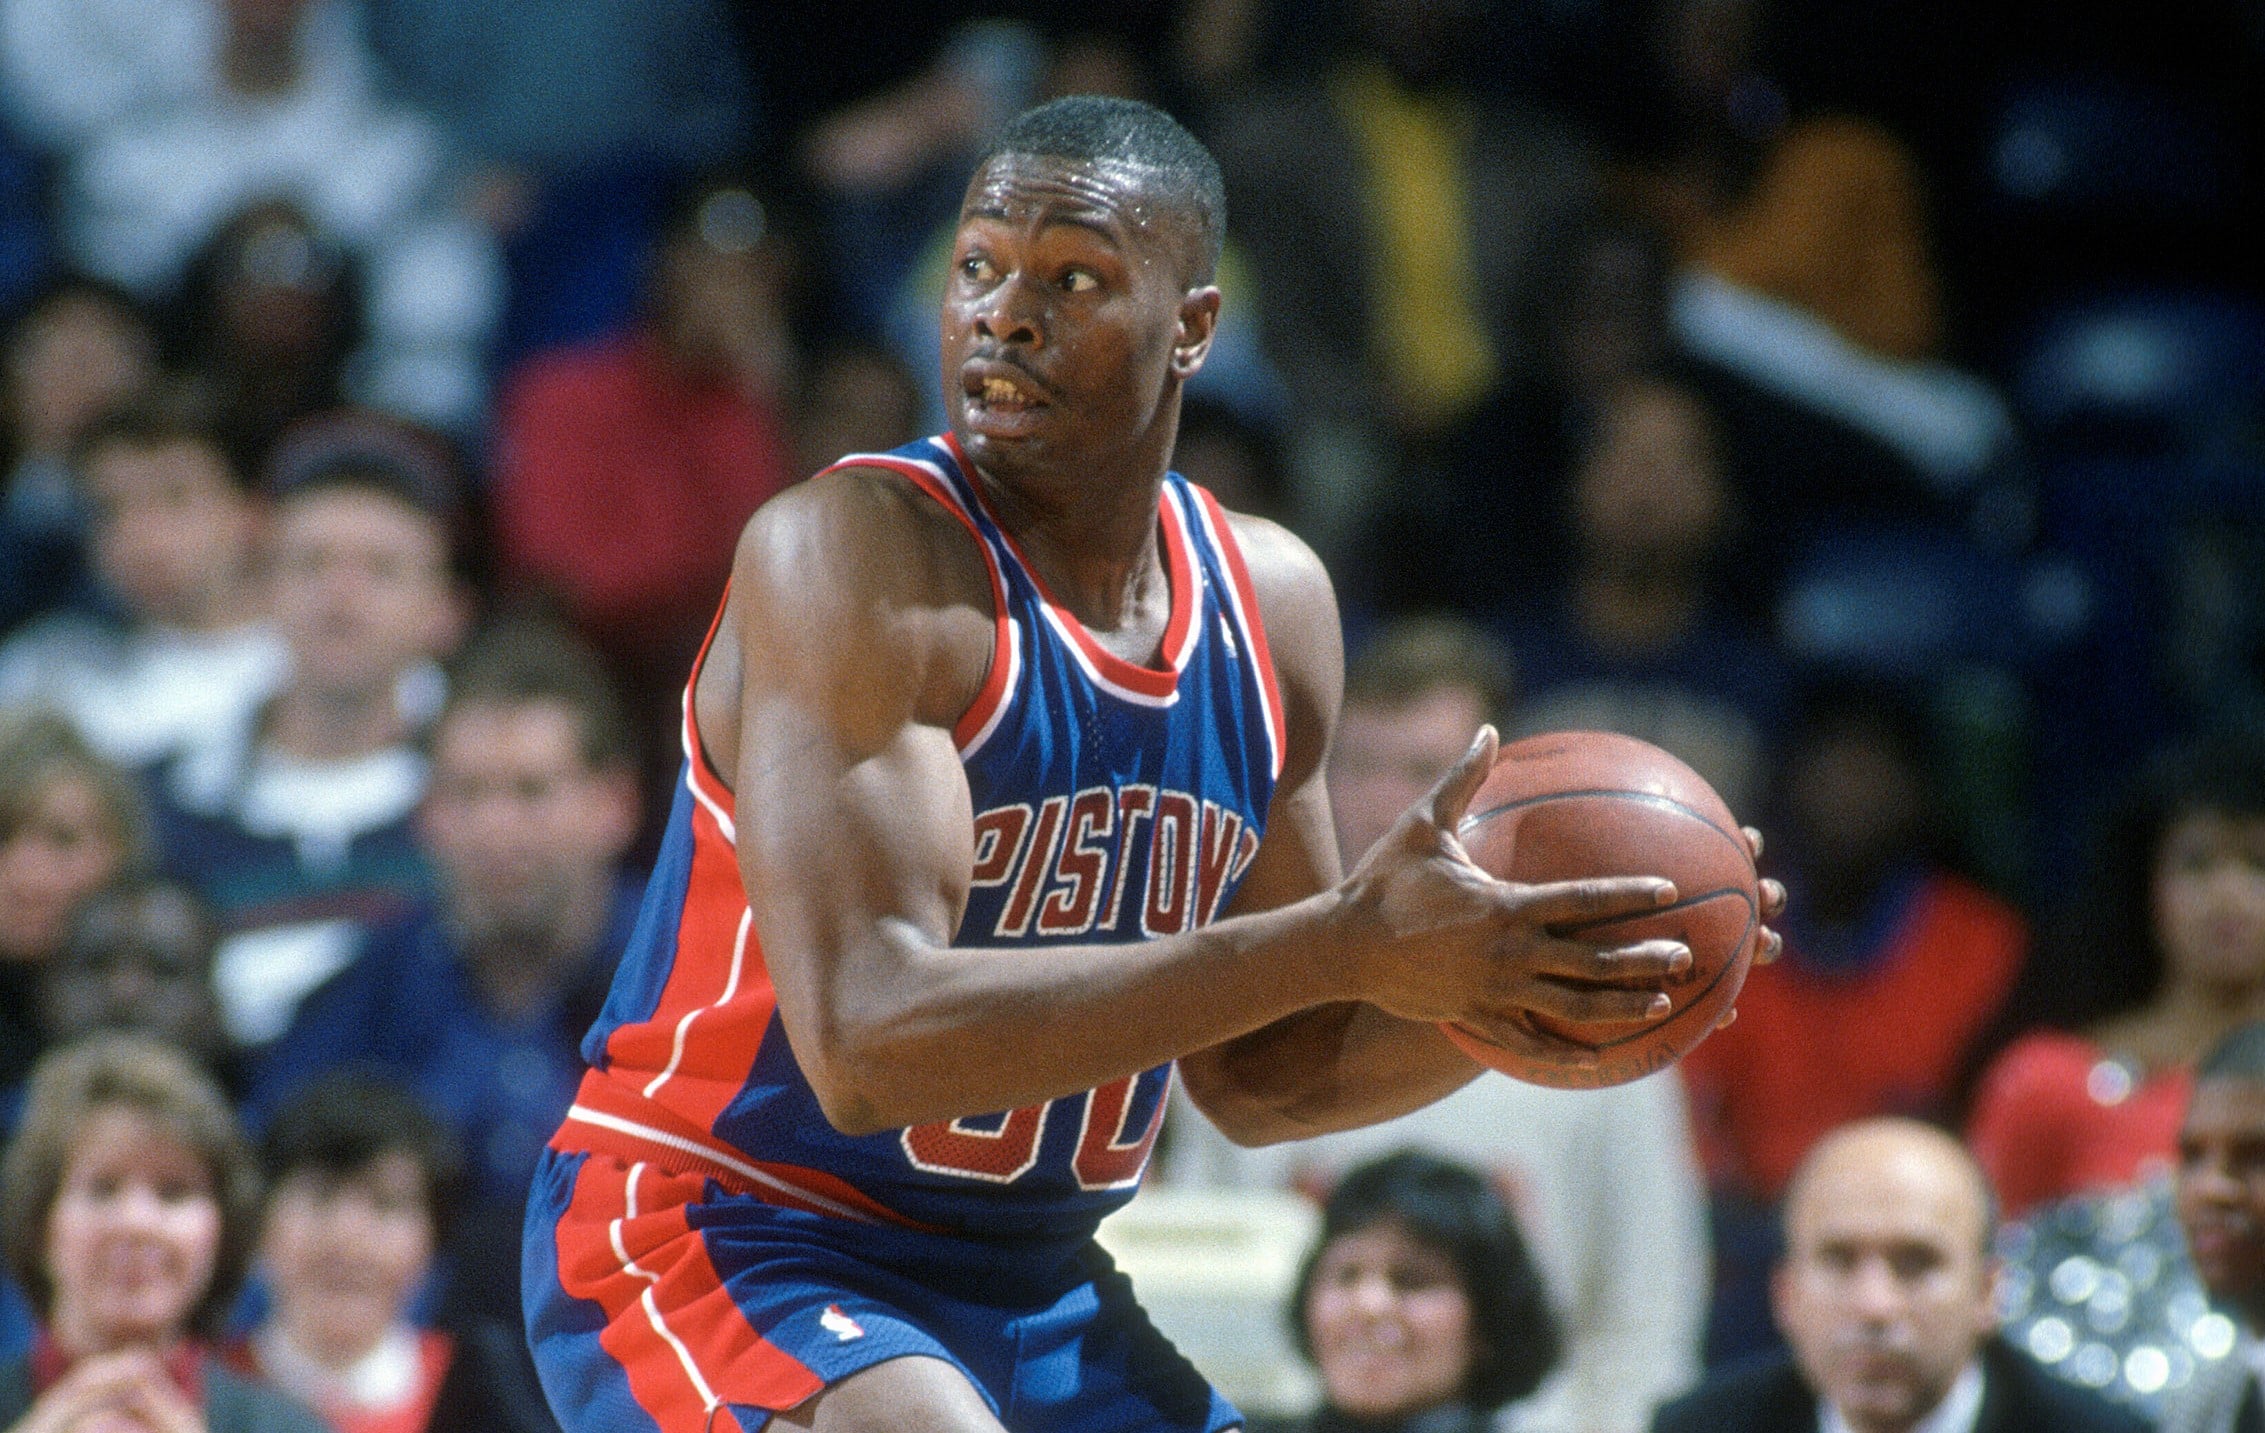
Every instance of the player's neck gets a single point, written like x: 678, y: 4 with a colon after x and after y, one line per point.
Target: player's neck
x: 1094, y: 547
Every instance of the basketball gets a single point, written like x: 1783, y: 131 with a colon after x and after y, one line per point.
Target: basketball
x: 1570, y: 805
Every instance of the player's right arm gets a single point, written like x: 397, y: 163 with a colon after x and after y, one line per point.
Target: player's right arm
x: 859, y: 630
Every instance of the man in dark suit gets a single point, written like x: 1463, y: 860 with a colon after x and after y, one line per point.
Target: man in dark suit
x: 2221, y: 1204
x: 1887, y: 1294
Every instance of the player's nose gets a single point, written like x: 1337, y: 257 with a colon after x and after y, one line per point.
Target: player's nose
x: 1008, y: 314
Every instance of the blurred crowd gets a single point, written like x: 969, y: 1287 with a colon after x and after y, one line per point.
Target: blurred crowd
x: 1867, y: 404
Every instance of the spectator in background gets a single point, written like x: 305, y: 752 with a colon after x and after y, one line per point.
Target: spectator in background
x: 625, y: 469
x: 296, y: 822
x: 1895, y: 964
x: 854, y: 397
x: 128, y: 1209
x: 175, y: 538
x: 576, y: 116
x: 2221, y: 1204
x: 1418, y: 1304
x: 1392, y: 213
x: 1640, y: 638
x: 138, y: 961
x: 1605, y: 1182
x: 362, y: 1181
x: 70, y: 823
x: 287, y: 104
x: 2165, y: 958
x: 269, y: 314
x: 1887, y: 1295
x: 1807, y: 256
x: 78, y: 348
x: 1237, y: 456
x: 479, y: 1001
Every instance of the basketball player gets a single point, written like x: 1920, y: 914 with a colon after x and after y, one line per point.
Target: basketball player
x: 989, y: 731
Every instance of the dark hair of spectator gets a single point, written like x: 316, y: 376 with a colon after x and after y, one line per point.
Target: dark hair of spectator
x: 169, y: 415
x: 69, y: 1088
x: 1451, y: 1208
x: 38, y: 749
x: 1411, y: 657
x: 2106, y: 960
x: 1088, y: 129
x: 343, y: 1122
x: 524, y: 660
x: 94, y: 922
x: 2239, y: 1056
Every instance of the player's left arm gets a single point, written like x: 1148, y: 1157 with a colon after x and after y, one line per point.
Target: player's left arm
x: 1330, y: 1066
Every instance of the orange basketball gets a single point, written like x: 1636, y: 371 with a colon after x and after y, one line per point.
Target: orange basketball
x: 1569, y: 805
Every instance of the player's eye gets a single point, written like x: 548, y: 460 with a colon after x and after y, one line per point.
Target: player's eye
x: 977, y: 269
x: 1078, y: 281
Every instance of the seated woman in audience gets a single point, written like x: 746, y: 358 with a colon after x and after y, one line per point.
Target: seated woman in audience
x: 2170, y: 962
x: 128, y: 1205
x: 69, y: 823
x: 1418, y: 1306
x: 361, y: 1179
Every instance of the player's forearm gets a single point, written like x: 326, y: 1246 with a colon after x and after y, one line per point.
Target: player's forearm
x: 1330, y: 1068
x: 909, y: 1032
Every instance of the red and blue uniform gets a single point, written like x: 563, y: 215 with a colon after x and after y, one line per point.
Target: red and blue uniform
x: 703, y: 1246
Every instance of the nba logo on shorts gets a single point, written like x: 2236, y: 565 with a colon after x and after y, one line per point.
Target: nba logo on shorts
x: 839, y: 1324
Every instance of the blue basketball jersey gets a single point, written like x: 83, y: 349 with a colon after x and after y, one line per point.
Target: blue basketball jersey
x: 1113, y: 801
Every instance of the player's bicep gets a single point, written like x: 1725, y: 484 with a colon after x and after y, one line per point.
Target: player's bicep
x: 854, y: 828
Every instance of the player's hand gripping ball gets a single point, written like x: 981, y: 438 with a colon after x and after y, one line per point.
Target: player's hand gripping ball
x: 1571, y: 805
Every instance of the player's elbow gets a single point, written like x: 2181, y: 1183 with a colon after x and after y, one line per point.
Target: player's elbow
x: 843, y: 1077
x: 1233, y: 1109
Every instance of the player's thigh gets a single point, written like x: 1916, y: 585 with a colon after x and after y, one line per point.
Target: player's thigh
x: 901, y: 1393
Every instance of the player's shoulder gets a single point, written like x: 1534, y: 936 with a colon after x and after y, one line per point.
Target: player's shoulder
x: 868, y: 529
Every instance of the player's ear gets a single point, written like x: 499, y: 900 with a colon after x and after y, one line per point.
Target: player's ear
x: 1191, y: 338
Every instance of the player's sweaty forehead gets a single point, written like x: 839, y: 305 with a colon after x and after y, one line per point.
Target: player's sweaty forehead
x: 1114, y: 199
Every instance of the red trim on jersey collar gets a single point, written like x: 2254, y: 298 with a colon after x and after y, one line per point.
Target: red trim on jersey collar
x: 1179, y: 565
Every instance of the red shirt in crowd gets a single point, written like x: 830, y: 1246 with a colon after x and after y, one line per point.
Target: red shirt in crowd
x: 622, y: 479
x: 1814, y: 1048
x: 2056, y: 1115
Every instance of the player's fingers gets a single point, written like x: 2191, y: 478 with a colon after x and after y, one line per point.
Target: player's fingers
x: 1451, y: 797
x: 1729, y: 1018
x: 1648, y: 963
x: 1753, y: 836
x: 1570, y: 905
x: 1773, y: 899
x: 1596, y: 1004
x: 1772, y: 945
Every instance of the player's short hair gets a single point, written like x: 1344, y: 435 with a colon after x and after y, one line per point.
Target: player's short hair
x: 1450, y: 1207
x: 523, y: 659
x: 1413, y: 656
x: 1091, y: 128
x: 2239, y: 1056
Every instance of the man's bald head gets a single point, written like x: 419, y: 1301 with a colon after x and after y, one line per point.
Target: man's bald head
x: 1896, y: 1149
x: 1886, y: 1290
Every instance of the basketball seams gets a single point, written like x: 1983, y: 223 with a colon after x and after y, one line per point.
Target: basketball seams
x: 1649, y: 798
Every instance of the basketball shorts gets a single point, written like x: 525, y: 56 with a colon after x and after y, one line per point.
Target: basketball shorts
x: 658, y: 1303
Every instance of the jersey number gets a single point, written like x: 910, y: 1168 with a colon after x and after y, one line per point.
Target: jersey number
x: 1105, y: 1158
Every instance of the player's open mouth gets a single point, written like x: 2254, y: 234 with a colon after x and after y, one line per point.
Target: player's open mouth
x: 998, y: 404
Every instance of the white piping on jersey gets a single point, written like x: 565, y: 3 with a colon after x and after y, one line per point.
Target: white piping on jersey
x: 708, y: 1400
x: 719, y: 1158
x: 1006, y: 692
x: 731, y: 988
x: 692, y: 760
x: 1234, y: 598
